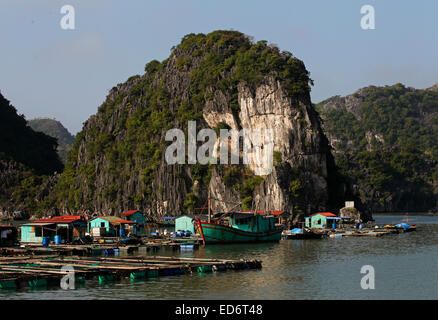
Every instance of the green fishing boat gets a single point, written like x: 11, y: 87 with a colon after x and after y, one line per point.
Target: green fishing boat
x: 240, y: 227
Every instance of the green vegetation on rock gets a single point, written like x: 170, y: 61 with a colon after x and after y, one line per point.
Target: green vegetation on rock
x: 385, y: 142
x: 55, y: 129
x: 27, y: 159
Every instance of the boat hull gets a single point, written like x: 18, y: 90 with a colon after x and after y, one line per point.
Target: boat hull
x: 216, y: 233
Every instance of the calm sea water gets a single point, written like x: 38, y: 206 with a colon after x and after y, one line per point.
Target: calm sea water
x: 405, y: 268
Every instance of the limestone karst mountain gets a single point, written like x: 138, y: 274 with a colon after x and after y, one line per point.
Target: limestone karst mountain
x: 221, y: 80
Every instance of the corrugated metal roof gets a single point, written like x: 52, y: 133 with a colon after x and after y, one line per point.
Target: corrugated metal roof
x: 325, y: 214
x: 60, y: 219
x: 269, y: 212
x: 114, y: 219
x: 37, y: 224
x: 129, y: 213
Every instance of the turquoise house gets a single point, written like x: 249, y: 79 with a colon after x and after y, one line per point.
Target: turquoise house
x: 110, y: 226
x: 139, y: 219
x: 185, y: 223
x: 67, y: 228
x: 319, y: 220
x: 322, y: 220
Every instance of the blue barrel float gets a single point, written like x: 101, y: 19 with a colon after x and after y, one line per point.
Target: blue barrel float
x: 57, y: 239
x: 46, y: 242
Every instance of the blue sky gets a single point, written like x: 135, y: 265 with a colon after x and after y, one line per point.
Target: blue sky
x: 46, y: 71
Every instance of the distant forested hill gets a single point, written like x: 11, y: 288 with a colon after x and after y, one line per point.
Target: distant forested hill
x: 28, y: 161
x: 54, y: 129
x: 385, y: 142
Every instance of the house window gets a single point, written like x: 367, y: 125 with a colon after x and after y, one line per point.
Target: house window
x: 102, y: 224
x: 38, y: 232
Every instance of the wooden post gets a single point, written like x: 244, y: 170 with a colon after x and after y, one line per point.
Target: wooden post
x: 201, y: 231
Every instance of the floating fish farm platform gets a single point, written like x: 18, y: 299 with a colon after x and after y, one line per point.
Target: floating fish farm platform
x: 105, y: 249
x: 43, y: 271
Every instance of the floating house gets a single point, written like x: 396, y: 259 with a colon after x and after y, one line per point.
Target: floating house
x: 138, y: 218
x: 111, y: 226
x: 322, y: 220
x: 187, y: 222
x: 169, y: 221
x: 8, y: 235
x: 62, y: 229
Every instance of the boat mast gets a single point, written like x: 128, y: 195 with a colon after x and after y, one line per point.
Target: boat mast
x: 209, y: 210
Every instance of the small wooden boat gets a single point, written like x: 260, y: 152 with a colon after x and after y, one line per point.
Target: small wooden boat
x: 20, y: 215
x: 406, y: 227
x: 299, y: 233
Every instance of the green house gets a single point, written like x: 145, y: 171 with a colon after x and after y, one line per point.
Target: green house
x: 110, y: 226
x: 319, y: 220
x: 139, y: 219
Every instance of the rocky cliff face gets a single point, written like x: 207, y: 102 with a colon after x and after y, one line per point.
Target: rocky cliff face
x: 385, y: 142
x: 220, y: 80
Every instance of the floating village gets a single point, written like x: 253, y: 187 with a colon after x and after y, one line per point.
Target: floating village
x: 109, y: 248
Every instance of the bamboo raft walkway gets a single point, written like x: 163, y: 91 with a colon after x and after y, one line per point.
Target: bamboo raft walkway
x: 368, y: 232
x: 150, y: 245
x: 43, y: 271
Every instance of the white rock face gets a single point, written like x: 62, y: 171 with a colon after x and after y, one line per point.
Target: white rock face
x: 295, y: 136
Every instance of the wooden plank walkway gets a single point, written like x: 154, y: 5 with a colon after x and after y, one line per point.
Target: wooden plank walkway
x: 37, y: 271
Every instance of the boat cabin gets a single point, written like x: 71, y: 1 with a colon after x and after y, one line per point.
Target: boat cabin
x: 279, y: 216
x: 253, y: 221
